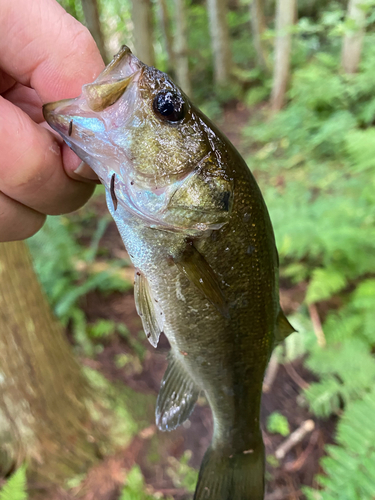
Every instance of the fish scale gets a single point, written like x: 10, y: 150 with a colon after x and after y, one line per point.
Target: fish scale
x: 198, y: 232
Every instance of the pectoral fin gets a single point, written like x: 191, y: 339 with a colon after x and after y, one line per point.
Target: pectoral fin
x: 177, y: 397
x: 283, y: 327
x: 200, y: 273
x: 148, y: 309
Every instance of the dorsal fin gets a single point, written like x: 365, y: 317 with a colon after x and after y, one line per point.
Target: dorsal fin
x: 283, y: 327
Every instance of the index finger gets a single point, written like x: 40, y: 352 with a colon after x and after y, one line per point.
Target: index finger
x: 43, y: 47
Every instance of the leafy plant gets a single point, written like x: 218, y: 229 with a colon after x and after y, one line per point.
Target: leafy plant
x: 315, y: 163
x: 135, y: 486
x: 16, y: 487
x: 350, y: 466
x: 181, y: 473
x: 67, y: 272
x: 278, y: 424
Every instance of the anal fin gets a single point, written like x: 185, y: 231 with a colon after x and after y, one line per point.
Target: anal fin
x: 148, y: 309
x: 283, y: 327
x: 177, y: 397
x: 199, y: 272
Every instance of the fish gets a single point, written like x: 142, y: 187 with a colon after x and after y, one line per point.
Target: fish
x: 198, y: 232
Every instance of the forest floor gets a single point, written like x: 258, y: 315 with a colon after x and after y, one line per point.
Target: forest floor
x: 158, y: 453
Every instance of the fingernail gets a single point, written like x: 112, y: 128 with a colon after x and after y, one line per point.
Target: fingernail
x: 86, y: 172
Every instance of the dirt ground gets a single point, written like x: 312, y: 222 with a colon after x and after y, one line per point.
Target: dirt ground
x: 154, y: 451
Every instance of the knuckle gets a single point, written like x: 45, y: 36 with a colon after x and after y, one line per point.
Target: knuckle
x: 18, y: 222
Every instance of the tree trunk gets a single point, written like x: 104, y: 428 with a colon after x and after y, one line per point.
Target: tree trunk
x: 353, y: 38
x: 44, y: 397
x: 91, y: 13
x: 258, y: 26
x: 217, y: 13
x: 168, y: 40
x: 285, y: 18
x: 182, y: 52
x: 142, y: 21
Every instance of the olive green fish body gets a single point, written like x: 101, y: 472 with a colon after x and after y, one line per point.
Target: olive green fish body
x: 225, y: 354
x: 198, y: 232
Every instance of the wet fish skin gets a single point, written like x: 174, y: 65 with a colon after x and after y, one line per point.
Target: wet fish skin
x: 196, y: 227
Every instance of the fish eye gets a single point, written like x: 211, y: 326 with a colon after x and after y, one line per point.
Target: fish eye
x: 169, y: 106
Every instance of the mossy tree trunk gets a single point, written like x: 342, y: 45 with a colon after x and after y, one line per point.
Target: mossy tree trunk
x: 285, y: 18
x: 44, y: 397
x: 217, y: 14
x: 258, y: 26
x: 165, y: 25
x: 353, y: 39
x: 181, y: 48
x: 143, y: 31
x: 91, y: 13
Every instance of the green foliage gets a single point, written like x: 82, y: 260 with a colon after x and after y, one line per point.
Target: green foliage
x: 315, y: 161
x: 132, y: 364
x: 256, y: 95
x: 74, y: 8
x: 278, y: 424
x: 182, y: 475
x: 70, y: 274
x: 16, y: 486
x: 272, y: 461
x: 123, y: 410
x: 324, y: 283
x: 135, y: 486
x: 350, y: 466
x: 102, y: 328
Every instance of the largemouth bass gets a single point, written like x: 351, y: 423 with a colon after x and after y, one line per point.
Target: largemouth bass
x: 197, y: 230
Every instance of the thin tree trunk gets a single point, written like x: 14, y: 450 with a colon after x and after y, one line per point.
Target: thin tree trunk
x: 285, y: 18
x: 168, y: 39
x: 142, y: 21
x: 182, y: 52
x: 217, y: 13
x: 91, y: 13
x: 353, y: 39
x: 44, y: 397
x: 258, y: 26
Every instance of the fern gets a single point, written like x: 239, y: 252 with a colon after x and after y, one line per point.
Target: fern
x: 324, y: 283
x: 315, y: 162
x: 278, y: 424
x: 324, y: 397
x: 58, y: 259
x: 16, y: 486
x: 350, y: 466
x: 360, y: 145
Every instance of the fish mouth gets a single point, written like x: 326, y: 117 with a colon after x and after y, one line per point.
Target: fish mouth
x: 85, y: 111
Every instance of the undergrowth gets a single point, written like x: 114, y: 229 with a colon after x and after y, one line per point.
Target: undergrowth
x: 315, y: 162
x: 73, y: 272
x: 16, y: 487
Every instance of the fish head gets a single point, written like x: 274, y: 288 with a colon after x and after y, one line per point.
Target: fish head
x: 147, y: 143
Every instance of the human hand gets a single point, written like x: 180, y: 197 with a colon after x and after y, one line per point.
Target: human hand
x: 45, y: 55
